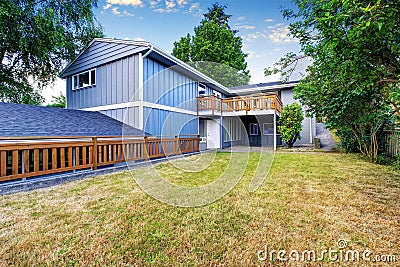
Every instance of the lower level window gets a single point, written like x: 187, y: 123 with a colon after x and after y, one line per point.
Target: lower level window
x: 232, y: 130
x: 253, y: 129
x: 268, y: 128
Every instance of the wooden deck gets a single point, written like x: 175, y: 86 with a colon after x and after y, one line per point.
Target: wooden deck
x: 213, y: 105
x: 22, y: 158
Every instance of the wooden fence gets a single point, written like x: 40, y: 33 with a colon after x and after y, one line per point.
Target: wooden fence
x: 41, y: 156
x: 391, y: 143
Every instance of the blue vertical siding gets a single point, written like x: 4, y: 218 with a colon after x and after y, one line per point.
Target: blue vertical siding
x: 159, y: 122
x: 116, y: 82
x: 168, y: 87
x: 126, y: 115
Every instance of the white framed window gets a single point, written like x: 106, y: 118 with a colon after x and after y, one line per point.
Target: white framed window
x: 84, y: 79
x: 232, y: 130
x: 202, y: 89
x: 253, y: 128
x: 268, y: 128
x: 217, y: 94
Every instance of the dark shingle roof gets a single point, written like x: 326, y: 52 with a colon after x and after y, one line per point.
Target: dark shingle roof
x: 25, y: 120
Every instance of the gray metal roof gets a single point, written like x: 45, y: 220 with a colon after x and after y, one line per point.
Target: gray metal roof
x: 19, y: 120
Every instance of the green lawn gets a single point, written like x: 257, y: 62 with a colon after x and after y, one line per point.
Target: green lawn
x: 308, y: 201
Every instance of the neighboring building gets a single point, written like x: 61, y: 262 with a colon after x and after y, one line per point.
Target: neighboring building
x: 141, y: 85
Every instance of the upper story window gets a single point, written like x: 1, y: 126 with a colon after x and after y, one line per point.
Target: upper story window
x: 217, y: 94
x: 84, y: 79
x: 202, y: 89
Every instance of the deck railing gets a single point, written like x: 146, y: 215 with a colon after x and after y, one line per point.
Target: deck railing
x: 41, y: 156
x: 216, y: 105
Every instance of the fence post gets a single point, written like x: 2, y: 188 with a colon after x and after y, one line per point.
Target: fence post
x: 94, y: 153
x: 146, y: 148
x: 176, y: 145
x: 3, y: 163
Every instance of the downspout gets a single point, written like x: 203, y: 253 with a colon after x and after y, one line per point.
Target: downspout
x: 311, y: 131
x: 141, y: 84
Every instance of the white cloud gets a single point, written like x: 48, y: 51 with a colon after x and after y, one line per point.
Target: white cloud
x: 153, y: 4
x: 170, y: 4
x: 107, y: 6
x: 250, y: 54
x: 281, y: 35
x: 245, y: 27
x: 241, y: 18
x: 127, y: 14
x: 275, y: 26
x: 135, y: 3
x: 166, y: 10
x: 194, y: 7
x: 182, y: 2
x: 115, y: 11
x: 277, y: 49
x: 269, y: 20
x: 254, y: 36
x: 138, y: 39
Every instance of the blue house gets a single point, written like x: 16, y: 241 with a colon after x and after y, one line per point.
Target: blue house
x: 143, y: 86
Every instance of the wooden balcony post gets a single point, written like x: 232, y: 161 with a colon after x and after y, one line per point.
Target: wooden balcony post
x: 198, y: 105
x: 275, y: 130
x: 94, y: 153
x: 213, y: 104
x: 198, y: 143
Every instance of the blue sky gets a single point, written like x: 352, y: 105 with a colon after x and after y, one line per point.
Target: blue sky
x: 162, y: 22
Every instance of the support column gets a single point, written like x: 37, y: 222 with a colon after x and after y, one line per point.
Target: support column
x: 275, y: 129
x: 311, y: 131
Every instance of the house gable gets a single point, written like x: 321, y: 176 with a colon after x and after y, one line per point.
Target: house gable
x: 99, y: 53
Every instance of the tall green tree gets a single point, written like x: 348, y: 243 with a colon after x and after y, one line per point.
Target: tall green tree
x: 37, y: 37
x: 59, y: 101
x: 353, y: 79
x: 215, y: 42
x: 289, y: 123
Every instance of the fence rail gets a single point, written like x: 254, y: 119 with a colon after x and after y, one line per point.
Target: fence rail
x: 29, y: 158
x: 215, y: 104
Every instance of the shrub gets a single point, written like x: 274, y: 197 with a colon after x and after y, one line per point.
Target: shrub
x: 289, y: 124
